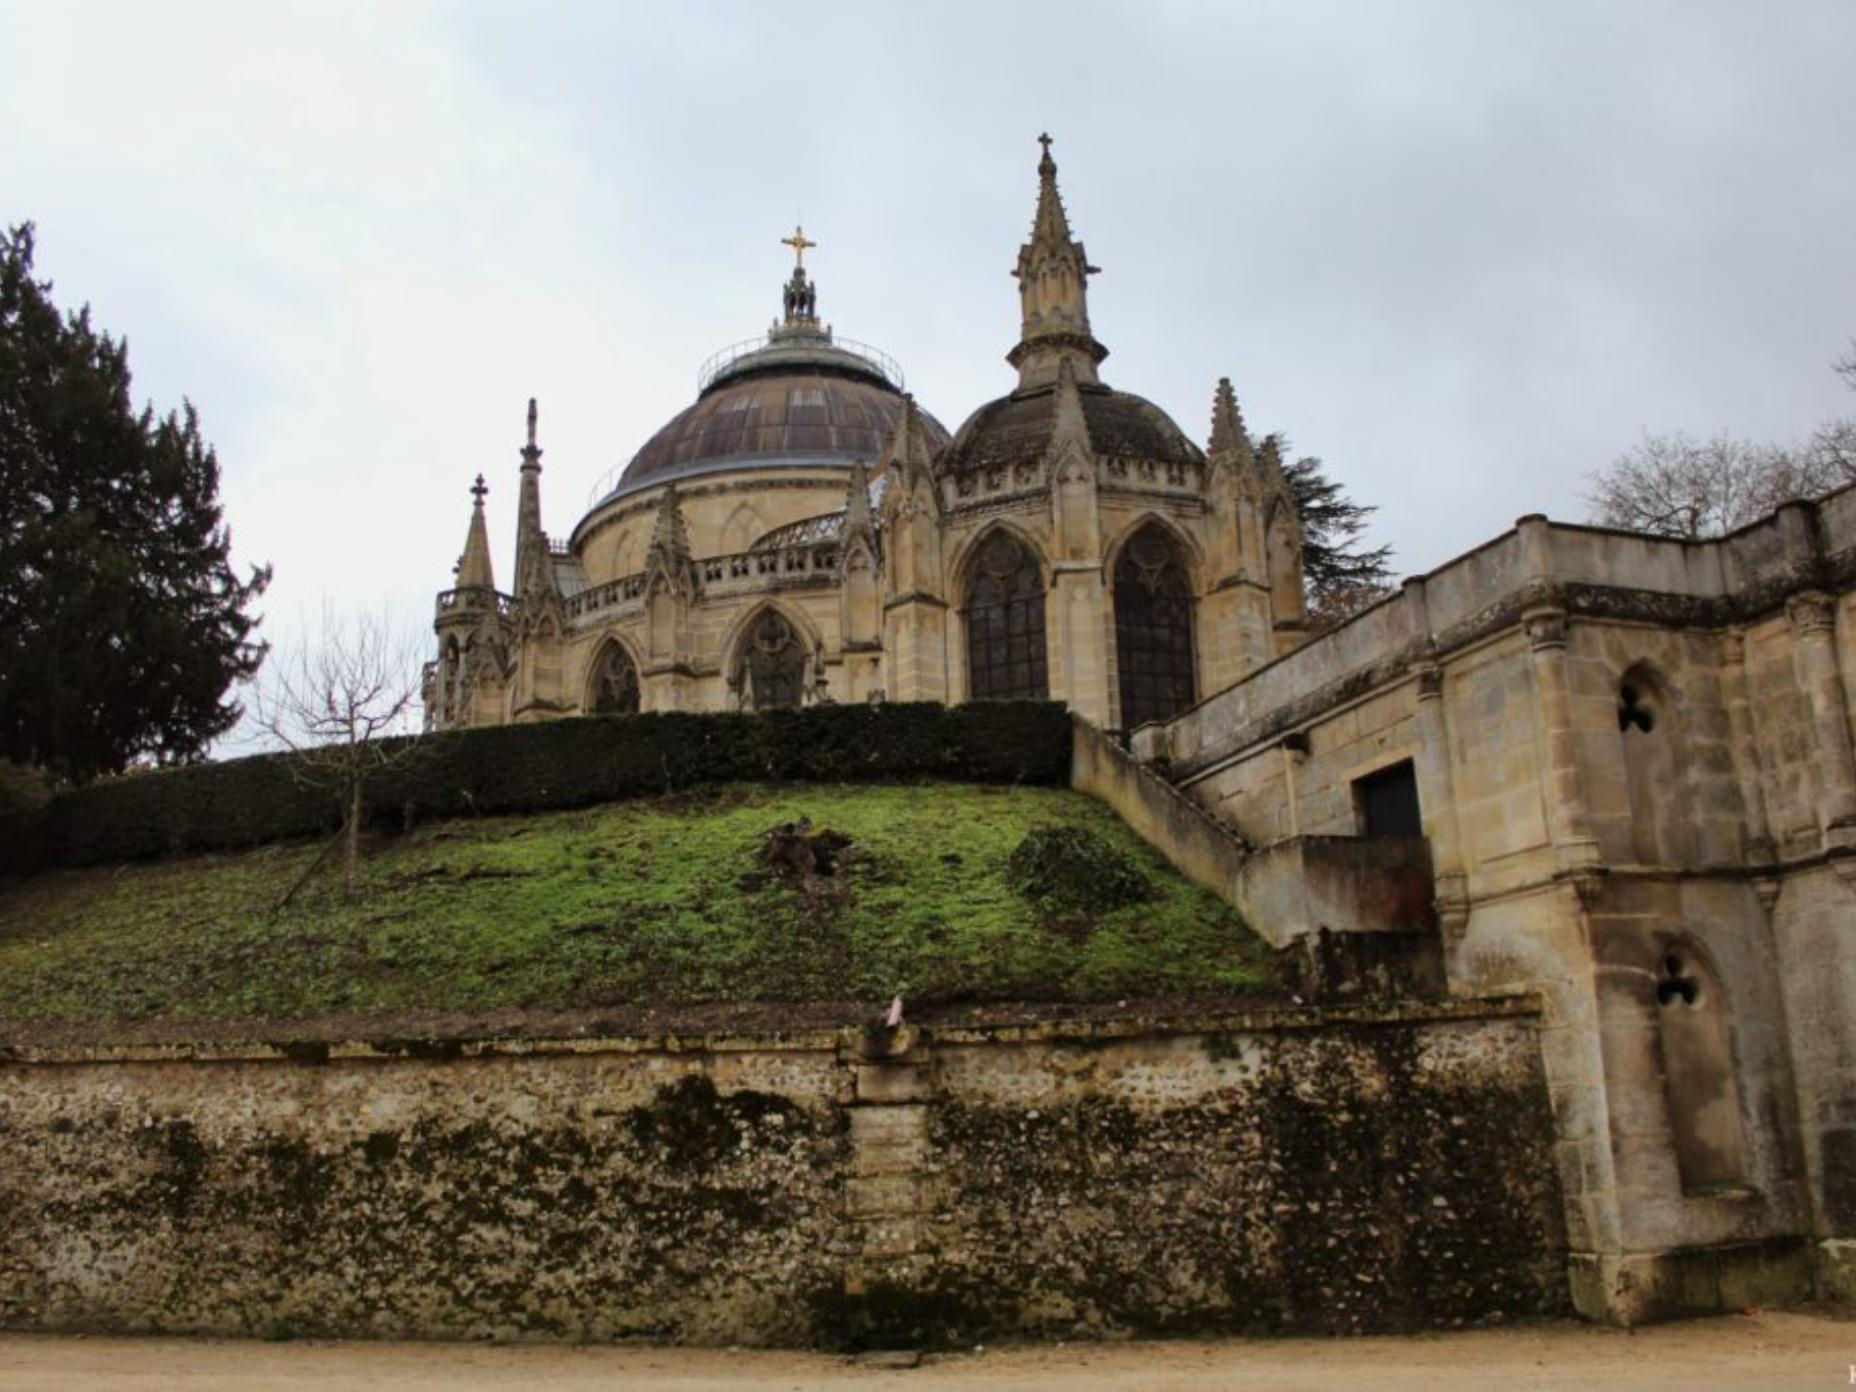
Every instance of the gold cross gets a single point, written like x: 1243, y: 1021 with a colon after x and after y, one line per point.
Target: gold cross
x: 799, y: 242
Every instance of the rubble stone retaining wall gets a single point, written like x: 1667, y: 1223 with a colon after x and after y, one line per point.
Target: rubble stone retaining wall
x: 1313, y: 1170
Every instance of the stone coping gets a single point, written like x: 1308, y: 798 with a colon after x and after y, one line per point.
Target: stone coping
x: 845, y: 1040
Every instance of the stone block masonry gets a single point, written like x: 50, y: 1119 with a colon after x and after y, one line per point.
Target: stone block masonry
x: 1320, y: 1170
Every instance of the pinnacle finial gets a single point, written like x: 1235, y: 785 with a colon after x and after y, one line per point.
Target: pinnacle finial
x: 533, y: 415
x: 800, y: 295
x: 478, y: 491
x: 800, y: 243
x: 1053, y: 273
x: 1228, y: 431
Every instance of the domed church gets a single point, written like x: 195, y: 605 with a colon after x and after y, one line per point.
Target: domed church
x: 804, y: 532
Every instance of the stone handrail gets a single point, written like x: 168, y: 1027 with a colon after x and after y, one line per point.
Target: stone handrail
x: 627, y: 589
x: 755, y: 569
x: 814, y: 563
x: 469, y: 597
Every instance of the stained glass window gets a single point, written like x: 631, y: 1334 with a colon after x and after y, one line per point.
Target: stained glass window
x: 1153, y: 629
x: 1005, y: 624
x: 773, y: 664
x: 615, y: 689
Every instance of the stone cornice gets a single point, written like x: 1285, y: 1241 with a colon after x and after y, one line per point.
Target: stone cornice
x: 1538, y: 607
x: 465, y: 1040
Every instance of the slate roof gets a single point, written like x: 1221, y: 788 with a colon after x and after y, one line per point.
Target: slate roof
x: 1017, y: 428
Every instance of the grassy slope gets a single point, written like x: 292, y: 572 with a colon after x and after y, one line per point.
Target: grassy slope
x: 659, y: 903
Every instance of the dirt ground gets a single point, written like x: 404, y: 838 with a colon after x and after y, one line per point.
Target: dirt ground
x: 1758, y: 1351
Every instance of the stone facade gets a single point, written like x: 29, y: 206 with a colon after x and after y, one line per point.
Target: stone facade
x: 1613, y: 769
x: 804, y: 533
x: 1631, y: 760
x: 1316, y: 1170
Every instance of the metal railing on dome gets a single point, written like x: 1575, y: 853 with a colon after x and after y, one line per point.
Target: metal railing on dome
x: 719, y: 362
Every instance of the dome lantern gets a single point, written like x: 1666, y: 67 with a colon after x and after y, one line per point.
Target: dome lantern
x: 797, y: 396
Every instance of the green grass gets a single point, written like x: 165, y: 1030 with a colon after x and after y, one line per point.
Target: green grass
x: 654, y: 904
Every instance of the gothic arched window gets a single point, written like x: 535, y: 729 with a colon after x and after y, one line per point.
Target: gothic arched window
x: 1005, y: 624
x: 1153, y: 629
x: 773, y: 664
x: 615, y: 683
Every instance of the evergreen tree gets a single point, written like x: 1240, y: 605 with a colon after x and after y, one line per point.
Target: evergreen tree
x: 1341, y: 574
x: 122, y: 623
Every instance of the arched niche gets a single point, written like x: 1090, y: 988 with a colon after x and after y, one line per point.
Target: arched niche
x: 612, y: 682
x: 624, y: 553
x: 741, y: 530
x: 660, y: 609
x: 1699, y: 1081
x: 770, y: 662
x: 863, y: 605
x: 1004, y: 614
x: 1650, y: 738
x: 1153, y: 627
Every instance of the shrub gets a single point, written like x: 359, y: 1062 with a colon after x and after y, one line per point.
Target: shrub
x: 1070, y: 871
x: 556, y: 764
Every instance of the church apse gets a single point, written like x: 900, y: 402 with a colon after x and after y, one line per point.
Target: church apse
x: 804, y: 471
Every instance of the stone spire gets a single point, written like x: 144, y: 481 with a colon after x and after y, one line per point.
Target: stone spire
x: 1229, y: 438
x: 1053, y: 273
x: 1269, y: 466
x: 534, y: 571
x: 474, y: 571
x: 907, y: 458
x: 669, y: 537
x: 669, y: 553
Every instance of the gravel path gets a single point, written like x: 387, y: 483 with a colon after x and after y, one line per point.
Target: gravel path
x: 1762, y: 1351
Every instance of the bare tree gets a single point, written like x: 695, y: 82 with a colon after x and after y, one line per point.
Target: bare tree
x: 1834, y: 444
x: 1675, y: 485
x: 337, y: 702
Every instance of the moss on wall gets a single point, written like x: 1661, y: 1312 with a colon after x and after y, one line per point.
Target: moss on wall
x: 1320, y: 1184
x: 1331, y: 1172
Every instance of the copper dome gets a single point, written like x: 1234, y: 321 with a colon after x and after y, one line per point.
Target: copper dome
x: 785, y: 413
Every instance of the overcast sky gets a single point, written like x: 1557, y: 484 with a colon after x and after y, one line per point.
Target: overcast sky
x: 1465, y: 252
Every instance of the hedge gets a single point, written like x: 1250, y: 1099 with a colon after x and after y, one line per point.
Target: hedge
x: 555, y: 764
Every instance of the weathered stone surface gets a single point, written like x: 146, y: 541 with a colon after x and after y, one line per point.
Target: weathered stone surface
x: 1358, y: 1168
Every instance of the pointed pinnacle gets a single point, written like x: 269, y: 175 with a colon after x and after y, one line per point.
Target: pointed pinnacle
x: 906, y: 446
x: 1269, y: 457
x: 1228, y: 431
x: 1050, y: 223
x: 669, y: 532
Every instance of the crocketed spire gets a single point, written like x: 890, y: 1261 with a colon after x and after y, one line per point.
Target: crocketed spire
x: 474, y: 571
x: 1228, y: 434
x: 534, y: 571
x: 669, y: 537
x: 1053, y: 273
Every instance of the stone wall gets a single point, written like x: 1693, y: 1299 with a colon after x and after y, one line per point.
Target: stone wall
x: 1633, y: 763
x: 1317, y: 1170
